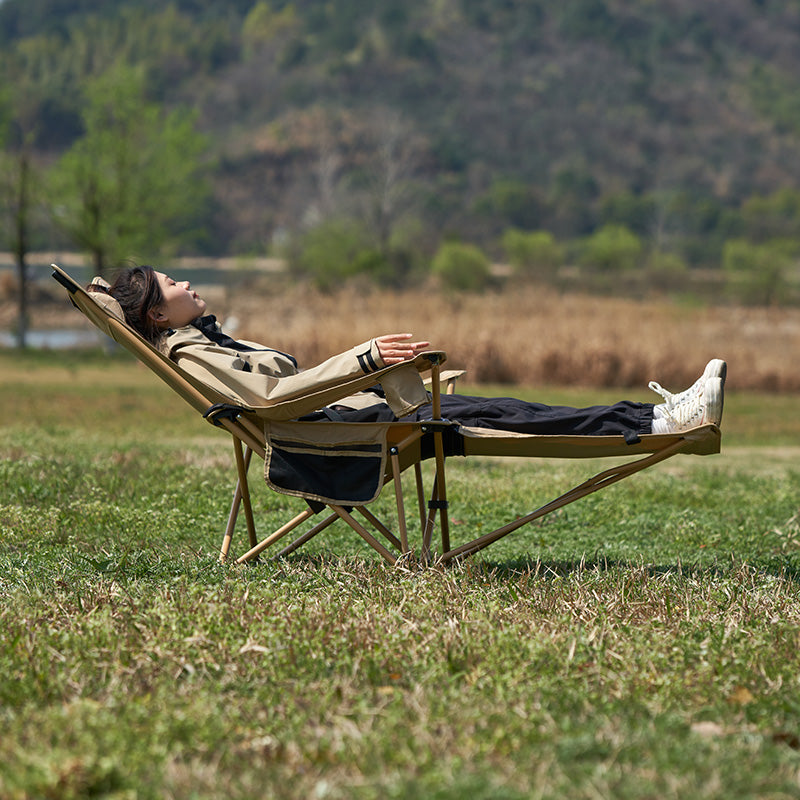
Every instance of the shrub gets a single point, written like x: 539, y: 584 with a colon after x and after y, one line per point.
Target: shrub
x: 461, y: 266
x: 636, y: 212
x: 755, y: 272
x: 774, y: 216
x: 664, y: 263
x: 612, y: 248
x: 535, y: 252
x: 263, y: 26
x: 667, y: 271
x: 512, y: 201
x: 332, y: 252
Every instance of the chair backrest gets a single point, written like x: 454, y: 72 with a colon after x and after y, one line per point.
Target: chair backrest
x: 197, y: 394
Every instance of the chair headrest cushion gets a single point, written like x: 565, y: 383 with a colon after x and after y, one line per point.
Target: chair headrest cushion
x: 102, y: 298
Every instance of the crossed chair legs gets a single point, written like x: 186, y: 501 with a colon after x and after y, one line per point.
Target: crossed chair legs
x: 430, y: 513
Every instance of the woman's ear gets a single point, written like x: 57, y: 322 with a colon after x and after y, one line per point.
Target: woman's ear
x: 158, y: 316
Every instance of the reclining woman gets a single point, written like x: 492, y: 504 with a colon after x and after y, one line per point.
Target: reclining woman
x: 171, y: 316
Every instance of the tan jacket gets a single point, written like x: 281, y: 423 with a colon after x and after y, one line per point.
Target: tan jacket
x: 261, y: 376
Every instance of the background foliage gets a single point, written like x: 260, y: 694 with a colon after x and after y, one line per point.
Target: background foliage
x: 458, y: 119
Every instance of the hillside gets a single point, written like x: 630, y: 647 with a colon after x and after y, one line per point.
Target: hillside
x: 457, y: 117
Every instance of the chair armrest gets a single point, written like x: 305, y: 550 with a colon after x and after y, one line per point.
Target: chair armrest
x: 448, y: 377
x: 294, y: 406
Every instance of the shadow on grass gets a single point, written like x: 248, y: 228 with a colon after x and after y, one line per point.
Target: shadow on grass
x: 513, y: 569
x: 558, y: 569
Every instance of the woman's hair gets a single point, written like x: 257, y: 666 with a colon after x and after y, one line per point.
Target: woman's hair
x: 137, y: 291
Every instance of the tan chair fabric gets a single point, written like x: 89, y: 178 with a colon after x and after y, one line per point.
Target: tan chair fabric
x: 703, y: 440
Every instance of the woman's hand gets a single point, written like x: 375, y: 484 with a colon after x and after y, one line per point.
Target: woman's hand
x: 395, y: 347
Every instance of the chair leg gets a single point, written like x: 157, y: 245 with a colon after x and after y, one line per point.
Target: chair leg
x: 401, y: 509
x: 381, y: 528
x: 242, y: 465
x: 428, y: 521
x: 437, y: 506
x: 308, y: 535
x: 229, y: 528
x: 278, y: 534
x: 444, y: 518
x: 364, y: 533
x: 440, y: 504
x: 420, y: 495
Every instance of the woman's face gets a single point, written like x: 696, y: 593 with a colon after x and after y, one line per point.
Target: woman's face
x: 181, y: 305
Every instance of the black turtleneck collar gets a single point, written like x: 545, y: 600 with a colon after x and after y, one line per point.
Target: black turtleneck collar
x: 207, y: 325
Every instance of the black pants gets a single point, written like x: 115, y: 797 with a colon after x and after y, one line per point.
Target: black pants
x: 509, y: 414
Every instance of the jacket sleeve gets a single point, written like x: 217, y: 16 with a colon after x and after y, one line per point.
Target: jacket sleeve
x: 261, y: 377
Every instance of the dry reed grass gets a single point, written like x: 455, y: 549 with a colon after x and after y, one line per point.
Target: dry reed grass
x: 524, y: 336
x: 536, y: 336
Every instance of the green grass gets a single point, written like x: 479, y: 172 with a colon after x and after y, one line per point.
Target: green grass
x: 641, y: 643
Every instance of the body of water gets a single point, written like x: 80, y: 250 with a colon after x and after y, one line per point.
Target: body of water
x: 215, y: 272
x: 201, y: 271
x: 57, y: 339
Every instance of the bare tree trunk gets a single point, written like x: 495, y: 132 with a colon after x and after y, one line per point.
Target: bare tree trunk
x: 22, y: 301
x: 397, y: 159
x: 21, y: 247
x: 97, y: 249
x: 97, y: 260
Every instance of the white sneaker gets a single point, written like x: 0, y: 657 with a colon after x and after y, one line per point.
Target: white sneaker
x: 702, y: 406
x: 716, y: 368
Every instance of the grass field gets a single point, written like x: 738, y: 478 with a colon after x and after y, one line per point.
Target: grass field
x: 643, y: 643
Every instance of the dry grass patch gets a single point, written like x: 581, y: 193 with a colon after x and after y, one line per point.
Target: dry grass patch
x: 535, y: 336
x: 525, y: 335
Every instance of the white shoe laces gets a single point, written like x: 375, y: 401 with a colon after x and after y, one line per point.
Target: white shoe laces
x: 685, y: 409
x: 694, y: 392
x: 687, y: 414
x: 659, y: 389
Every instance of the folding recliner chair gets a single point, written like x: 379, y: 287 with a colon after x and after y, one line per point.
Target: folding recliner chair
x: 342, y: 467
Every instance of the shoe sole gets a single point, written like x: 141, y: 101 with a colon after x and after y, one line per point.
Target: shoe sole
x: 716, y: 368
x: 714, y: 398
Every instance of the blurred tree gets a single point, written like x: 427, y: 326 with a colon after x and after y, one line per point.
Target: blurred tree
x: 774, y: 93
x: 634, y: 211
x: 132, y: 185
x: 571, y: 199
x: 581, y: 19
x: 693, y: 224
x: 24, y: 18
x: 578, y: 100
x: 264, y: 25
x: 50, y: 96
x: 389, y: 194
